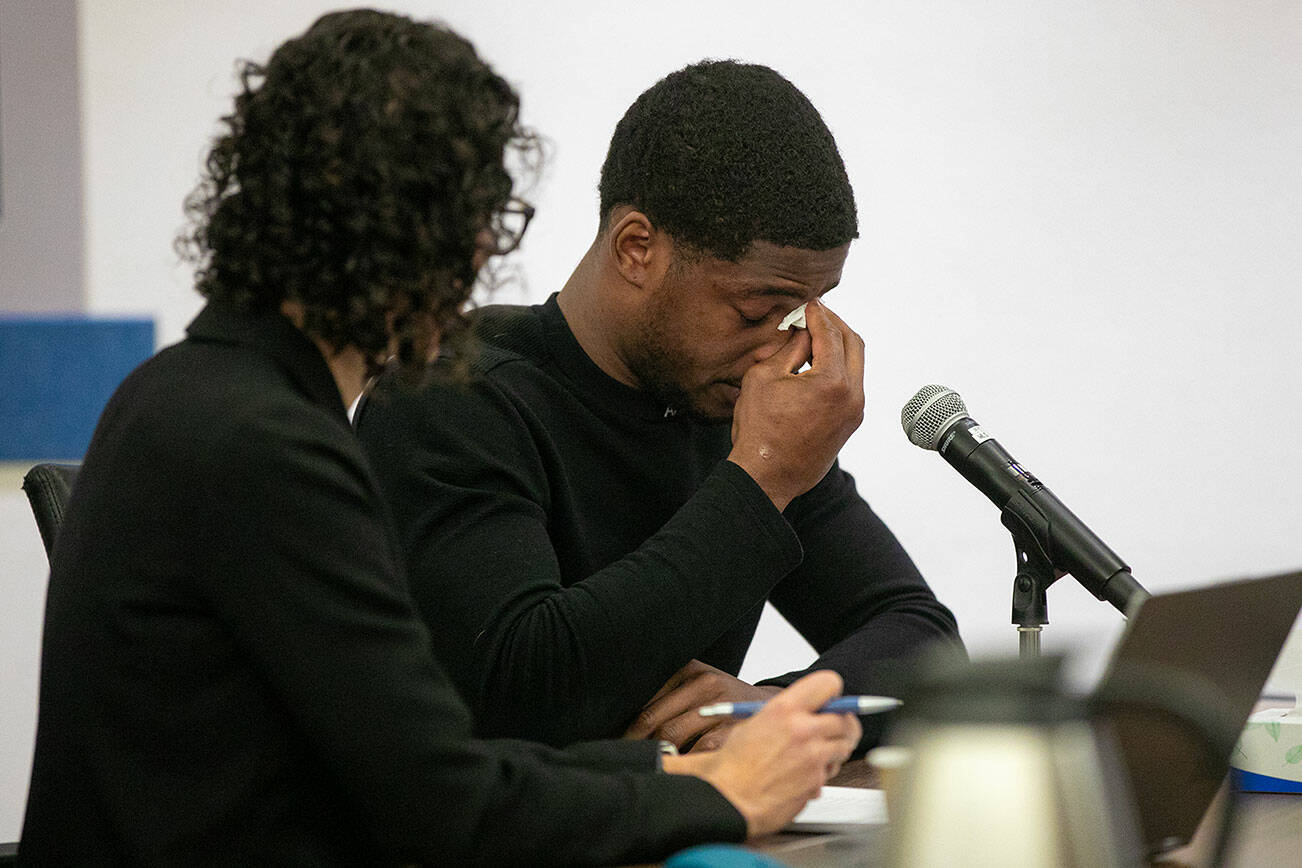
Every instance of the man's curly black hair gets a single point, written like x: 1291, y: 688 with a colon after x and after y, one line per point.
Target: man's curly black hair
x: 720, y: 154
x: 359, y: 166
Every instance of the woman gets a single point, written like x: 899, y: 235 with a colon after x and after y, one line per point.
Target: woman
x: 232, y: 666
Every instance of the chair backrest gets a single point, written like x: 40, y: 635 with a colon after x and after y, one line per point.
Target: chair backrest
x: 48, y: 487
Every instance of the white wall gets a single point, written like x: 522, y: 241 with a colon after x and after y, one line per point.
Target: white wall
x: 22, y: 589
x: 1081, y: 215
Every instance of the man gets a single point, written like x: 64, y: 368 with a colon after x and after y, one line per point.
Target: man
x: 594, y: 524
x: 233, y: 670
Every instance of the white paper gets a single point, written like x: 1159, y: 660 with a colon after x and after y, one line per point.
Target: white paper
x: 841, y: 809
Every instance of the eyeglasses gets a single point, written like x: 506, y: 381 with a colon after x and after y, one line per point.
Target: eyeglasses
x: 508, y: 225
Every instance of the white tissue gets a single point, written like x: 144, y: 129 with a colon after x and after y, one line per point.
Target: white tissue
x: 793, y: 320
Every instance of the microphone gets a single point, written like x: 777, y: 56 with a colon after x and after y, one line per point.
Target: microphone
x: 937, y: 419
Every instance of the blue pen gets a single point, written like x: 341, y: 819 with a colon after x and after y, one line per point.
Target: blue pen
x: 840, y: 705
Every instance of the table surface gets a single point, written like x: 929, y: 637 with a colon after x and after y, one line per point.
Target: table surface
x: 1268, y: 831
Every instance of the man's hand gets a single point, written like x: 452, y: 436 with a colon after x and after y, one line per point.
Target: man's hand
x: 773, y: 763
x: 787, y: 428
x: 671, y: 713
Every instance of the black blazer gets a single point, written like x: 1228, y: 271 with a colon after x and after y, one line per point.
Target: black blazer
x: 233, y: 669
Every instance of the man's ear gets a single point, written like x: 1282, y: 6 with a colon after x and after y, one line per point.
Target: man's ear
x: 638, y: 250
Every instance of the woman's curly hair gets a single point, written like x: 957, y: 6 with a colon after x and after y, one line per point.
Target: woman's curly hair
x: 356, y: 174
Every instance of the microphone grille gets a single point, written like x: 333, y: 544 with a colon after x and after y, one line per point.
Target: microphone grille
x: 929, y: 414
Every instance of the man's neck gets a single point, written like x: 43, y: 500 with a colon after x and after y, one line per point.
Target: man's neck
x: 591, y: 317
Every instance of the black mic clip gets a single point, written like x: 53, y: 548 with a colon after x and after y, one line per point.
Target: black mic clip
x: 1035, y: 573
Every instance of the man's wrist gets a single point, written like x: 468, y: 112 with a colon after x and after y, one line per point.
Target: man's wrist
x: 779, y: 499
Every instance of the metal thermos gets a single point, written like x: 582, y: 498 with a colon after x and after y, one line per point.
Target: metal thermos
x: 1005, y: 769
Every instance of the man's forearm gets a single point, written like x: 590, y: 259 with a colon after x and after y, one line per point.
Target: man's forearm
x: 567, y: 663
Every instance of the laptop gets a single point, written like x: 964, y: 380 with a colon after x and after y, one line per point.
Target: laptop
x: 1210, y: 650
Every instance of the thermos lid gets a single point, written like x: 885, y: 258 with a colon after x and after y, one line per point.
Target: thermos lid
x: 994, y: 691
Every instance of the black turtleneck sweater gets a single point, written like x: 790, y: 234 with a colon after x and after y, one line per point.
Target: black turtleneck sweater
x: 572, y: 544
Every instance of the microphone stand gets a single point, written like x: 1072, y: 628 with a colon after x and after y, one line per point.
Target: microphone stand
x: 1035, y: 573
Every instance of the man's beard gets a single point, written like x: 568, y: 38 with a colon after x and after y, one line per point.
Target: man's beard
x: 660, y: 371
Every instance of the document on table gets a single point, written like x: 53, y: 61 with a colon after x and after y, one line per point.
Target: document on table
x: 841, y: 809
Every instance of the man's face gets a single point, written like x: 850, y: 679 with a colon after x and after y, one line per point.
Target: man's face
x: 709, y: 320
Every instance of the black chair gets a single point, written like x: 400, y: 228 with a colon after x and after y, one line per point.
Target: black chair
x: 48, y: 487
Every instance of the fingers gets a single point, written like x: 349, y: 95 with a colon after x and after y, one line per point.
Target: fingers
x: 658, y: 712
x: 837, y: 347
x: 833, y: 735
x: 846, y: 744
x: 827, y: 336
x: 854, y: 354
x: 669, y: 702
x: 848, y: 739
x: 853, y: 732
x: 685, y: 728
x: 714, y: 738
x: 791, y: 356
x: 672, y: 714
x: 836, y: 727
x: 837, y: 747
x: 838, y: 352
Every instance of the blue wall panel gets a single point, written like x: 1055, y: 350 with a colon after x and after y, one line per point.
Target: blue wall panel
x: 56, y: 375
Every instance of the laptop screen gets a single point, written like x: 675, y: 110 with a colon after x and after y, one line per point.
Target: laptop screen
x: 1208, y: 652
